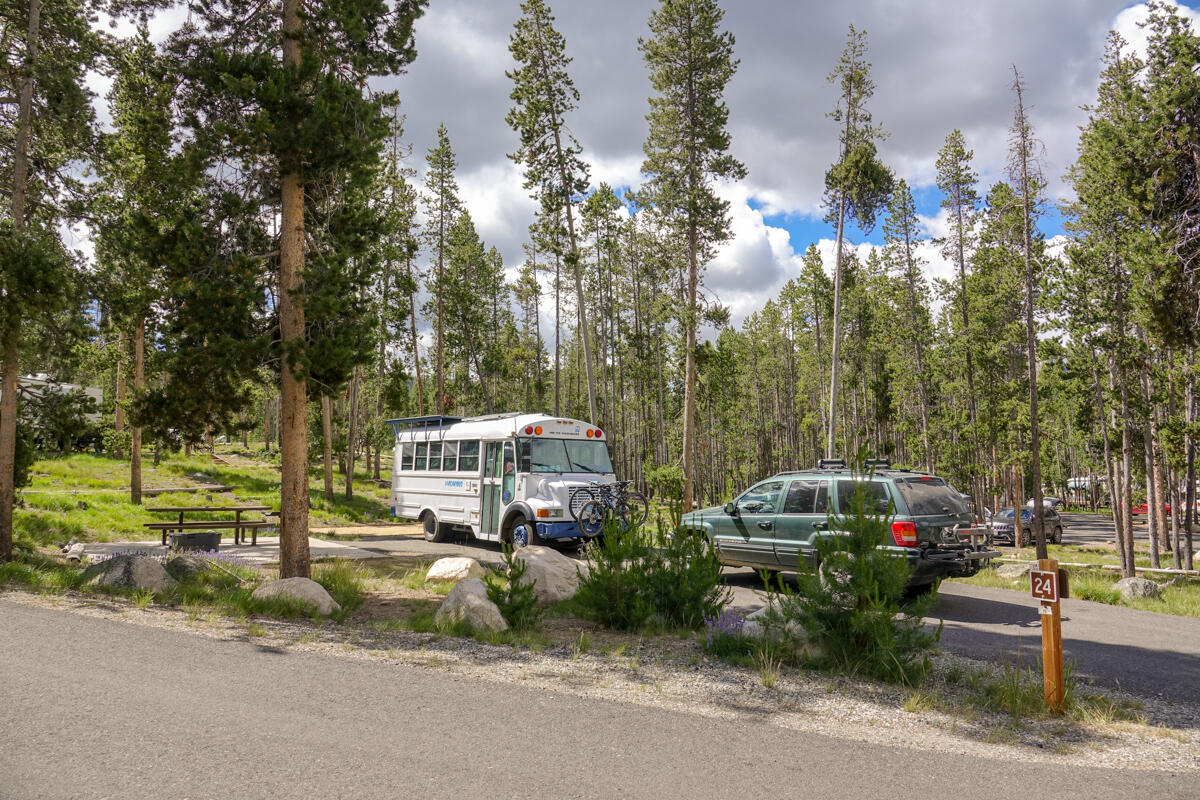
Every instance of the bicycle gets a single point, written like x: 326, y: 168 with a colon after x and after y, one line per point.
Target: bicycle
x: 628, y: 507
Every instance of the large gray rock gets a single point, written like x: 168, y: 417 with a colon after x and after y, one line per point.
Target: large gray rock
x: 129, y: 572
x: 763, y: 624
x: 1014, y: 571
x: 554, y: 576
x: 187, y: 566
x: 454, y: 569
x: 302, y: 589
x: 468, y: 602
x: 1134, y: 588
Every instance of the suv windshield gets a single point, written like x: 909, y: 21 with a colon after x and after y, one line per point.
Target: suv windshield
x: 929, y: 496
x: 564, y: 455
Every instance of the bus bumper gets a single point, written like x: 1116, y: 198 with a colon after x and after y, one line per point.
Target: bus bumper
x: 559, y: 530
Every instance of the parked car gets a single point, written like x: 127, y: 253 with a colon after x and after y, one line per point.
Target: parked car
x: 1003, y: 528
x: 777, y: 523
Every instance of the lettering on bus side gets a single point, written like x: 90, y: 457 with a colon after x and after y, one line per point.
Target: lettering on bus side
x: 455, y: 484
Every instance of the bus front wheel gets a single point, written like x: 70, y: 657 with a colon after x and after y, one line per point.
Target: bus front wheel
x: 523, y: 533
x: 434, y: 530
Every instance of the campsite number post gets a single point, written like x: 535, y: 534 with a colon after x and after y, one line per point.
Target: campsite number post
x: 1043, y: 583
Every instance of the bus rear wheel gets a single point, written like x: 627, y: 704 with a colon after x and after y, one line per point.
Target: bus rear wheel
x: 434, y: 530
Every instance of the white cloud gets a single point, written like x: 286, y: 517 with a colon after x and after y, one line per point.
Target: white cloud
x: 1128, y: 24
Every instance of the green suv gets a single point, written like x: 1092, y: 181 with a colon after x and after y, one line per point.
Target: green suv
x: 777, y: 522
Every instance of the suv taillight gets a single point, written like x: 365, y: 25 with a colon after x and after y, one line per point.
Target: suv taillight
x: 905, y: 534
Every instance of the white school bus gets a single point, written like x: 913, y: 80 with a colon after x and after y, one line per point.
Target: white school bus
x: 512, y: 478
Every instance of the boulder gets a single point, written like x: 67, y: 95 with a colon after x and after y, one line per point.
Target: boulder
x: 1014, y: 571
x: 1134, y: 588
x: 755, y: 627
x: 74, y: 552
x: 302, y: 589
x: 554, y: 576
x: 129, y: 572
x: 454, y: 569
x: 187, y: 566
x: 468, y: 602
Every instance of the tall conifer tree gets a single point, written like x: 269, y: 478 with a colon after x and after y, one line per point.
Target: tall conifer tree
x: 543, y: 94
x: 687, y: 150
x: 856, y: 187
x: 284, y: 120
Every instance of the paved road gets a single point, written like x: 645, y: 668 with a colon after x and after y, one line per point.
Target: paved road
x: 95, y: 708
x: 1148, y: 653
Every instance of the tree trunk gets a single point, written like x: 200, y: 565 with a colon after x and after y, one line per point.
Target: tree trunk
x: 1035, y: 435
x: 12, y: 335
x: 351, y: 434
x: 135, y: 435
x: 689, y: 383
x: 293, y: 433
x: 119, y: 405
x: 327, y: 444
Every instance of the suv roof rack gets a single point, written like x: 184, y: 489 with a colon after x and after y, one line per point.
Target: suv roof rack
x: 877, y: 463
x: 831, y: 463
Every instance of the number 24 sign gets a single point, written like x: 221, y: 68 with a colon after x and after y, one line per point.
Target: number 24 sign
x: 1044, y: 585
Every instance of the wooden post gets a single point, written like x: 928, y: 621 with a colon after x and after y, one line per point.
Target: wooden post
x: 1045, y: 589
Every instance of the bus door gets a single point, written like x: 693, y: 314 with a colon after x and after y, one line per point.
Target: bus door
x: 489, y: 517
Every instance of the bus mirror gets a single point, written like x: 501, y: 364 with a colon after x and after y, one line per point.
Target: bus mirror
x: 731, y: 509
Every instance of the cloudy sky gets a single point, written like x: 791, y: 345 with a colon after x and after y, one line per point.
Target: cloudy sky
x: 937, y: 65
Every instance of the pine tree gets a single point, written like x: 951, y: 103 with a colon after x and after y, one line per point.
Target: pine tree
x: 48, y: 115
x: 442, y: 208
x: 1026, y: 177
x: 856, y: 187
x: 140, y: 184
x: 543, y: 95
x: 902, y: 235
x: 290, y: 123
x: 956, y: 178
x: 687, y: 149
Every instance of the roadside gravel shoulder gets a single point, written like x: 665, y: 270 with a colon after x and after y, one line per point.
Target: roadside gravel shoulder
x: 649, y: 672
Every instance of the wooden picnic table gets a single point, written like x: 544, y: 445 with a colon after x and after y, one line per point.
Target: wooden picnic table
x: 239, y: 525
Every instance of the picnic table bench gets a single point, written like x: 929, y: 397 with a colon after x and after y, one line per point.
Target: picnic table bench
x: 240, y: 526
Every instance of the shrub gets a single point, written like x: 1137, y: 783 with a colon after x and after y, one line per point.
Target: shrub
x: 850, y: 607
x: 642, y: 576
x: 514, y: 597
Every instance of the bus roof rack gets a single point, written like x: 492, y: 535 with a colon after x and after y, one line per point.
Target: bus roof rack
x: 486, y: 417
x: 831, y: 463
x: 406, y: 423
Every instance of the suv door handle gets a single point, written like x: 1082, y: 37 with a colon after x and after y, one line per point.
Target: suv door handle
x: 766, y: 526
x: 820, y: 526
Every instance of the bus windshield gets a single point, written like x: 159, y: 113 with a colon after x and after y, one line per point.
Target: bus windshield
x: 564, y: 455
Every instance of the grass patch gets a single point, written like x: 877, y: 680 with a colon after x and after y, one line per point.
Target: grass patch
x: 86, y: 496
x: 1181, y: 599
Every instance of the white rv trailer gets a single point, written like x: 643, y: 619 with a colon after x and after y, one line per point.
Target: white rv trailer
x: 503, y: 477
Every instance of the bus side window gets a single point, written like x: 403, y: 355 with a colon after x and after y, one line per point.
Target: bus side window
x: 406, y: 456
x: 419, y: 461
x: 468, y: 456
x: 450, y: 456
x: 435, y: 455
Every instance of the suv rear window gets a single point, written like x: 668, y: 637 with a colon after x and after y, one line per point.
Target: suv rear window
x: 874, y: 493
x: 929, y: 496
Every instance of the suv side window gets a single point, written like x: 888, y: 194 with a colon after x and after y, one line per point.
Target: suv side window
x: 807, y: 496
x: 875, y: 494
x: 761, y: 499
